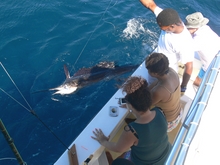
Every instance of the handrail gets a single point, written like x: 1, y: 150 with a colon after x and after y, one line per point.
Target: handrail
x: 191, y: 122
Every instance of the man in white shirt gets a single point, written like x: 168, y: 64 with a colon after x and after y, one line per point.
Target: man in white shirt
x: 206, y: 41
x: 175, y: 40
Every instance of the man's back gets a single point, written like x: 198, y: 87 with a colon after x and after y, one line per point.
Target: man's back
x: 207, y: 44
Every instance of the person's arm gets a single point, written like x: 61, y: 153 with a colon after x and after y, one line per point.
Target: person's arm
x: 156, y: 97
x: 150, y: 4
x: 186, y: 75
x: 126, y: 140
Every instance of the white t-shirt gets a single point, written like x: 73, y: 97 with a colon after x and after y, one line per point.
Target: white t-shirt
x: 177, y: 47
x: 207, y: 44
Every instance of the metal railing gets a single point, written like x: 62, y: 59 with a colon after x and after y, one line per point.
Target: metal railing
x: 185, y: 136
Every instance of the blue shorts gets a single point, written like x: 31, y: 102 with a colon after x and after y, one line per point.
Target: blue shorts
x: 201, y: 73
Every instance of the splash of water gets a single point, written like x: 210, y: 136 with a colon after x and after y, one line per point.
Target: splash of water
x: 134, y: 28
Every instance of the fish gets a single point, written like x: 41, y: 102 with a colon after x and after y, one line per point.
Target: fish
x: 87, y: 76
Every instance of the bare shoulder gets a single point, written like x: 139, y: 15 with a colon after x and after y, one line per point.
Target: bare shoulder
x: 174, y: 77
x: 158, y: 94
x: 158, y: 90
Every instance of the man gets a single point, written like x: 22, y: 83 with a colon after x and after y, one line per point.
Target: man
x: 206, y: 41
x: 175, y: 40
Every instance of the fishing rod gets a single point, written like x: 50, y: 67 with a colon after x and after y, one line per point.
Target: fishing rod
x: 11, y: 143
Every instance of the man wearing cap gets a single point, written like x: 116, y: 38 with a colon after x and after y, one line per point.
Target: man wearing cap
x: 175, y: 40
x: 206, y: 41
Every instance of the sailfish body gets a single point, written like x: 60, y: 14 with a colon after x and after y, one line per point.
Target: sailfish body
x: 87, y: 76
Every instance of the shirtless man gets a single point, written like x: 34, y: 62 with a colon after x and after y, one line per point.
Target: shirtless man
x: 175, y: 41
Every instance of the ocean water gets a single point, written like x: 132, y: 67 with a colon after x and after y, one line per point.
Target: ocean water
x: 39, y: 37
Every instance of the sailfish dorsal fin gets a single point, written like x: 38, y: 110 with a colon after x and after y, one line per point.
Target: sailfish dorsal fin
x: 67, y: 73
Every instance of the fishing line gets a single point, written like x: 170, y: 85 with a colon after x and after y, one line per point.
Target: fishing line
x: 91, y: 36
x: 30, y: 109
x: 15, y: 85
x: 14, y: 99
x: 8, y: 159
x: 11, y: 159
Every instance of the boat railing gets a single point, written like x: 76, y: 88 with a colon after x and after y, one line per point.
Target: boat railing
x: 191, y: 122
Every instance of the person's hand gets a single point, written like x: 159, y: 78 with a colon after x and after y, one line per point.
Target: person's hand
x: 123, y: 106
x: 150, y: 4
x: 99, y: 136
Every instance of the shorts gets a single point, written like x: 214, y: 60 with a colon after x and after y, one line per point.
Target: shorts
x: 201, y: 73
x: 173, y: 124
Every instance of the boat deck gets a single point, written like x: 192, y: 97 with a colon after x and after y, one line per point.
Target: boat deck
x: 86, y: 146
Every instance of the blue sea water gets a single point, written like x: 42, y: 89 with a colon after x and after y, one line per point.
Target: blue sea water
x: 39, y: 37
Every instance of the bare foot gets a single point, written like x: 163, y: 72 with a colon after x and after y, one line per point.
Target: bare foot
x: 197, y: 81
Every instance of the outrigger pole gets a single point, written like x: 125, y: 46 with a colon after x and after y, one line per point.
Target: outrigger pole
x: 11, y: 143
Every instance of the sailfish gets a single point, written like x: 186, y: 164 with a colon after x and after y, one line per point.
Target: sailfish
x: 88, y: 76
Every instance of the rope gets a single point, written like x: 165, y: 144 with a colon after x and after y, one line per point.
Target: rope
x: 91, y: 36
